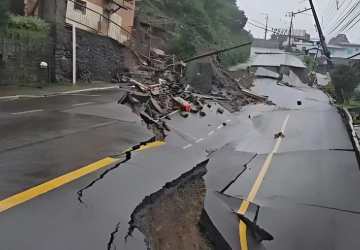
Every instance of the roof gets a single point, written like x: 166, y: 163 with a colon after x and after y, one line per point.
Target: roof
x: 277, y: 60
x: 348, y: 45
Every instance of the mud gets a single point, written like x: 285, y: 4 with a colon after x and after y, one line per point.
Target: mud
x: 171, y: 217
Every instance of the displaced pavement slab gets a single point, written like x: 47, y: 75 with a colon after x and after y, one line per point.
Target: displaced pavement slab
x: 107, y: 203
x: 266, y: 73
x: 110, y: 110
x: 286, y: 97
x: 29, y: 130
x: 60, y: 102
x: 309, y: 227
x: 33, y: 164
x: 322, y: 178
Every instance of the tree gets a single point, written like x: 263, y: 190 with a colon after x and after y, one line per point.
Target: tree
x: 3, y: 14
x: 345, y: 79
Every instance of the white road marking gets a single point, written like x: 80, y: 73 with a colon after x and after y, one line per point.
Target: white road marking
x: 220, y: 127
x: 85, y: 95
x: 187, y: 146
x: 82, y: 104
x: 199, y: 140
x: 27, y: 112
x: 228, y: 120
x: 211, y: 132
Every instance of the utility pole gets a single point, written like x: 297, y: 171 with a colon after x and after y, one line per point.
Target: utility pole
x: 292, y: 15
x: 74, y: 52
x: 321, y: 35
x: 266, y: 27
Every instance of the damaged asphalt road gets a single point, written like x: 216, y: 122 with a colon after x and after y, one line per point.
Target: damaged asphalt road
x: 305, y: 200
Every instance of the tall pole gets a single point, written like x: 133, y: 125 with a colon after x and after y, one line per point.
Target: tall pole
x: 74, y: 52
x: 290, y: 29
x: 321, y: 35
x: 266, y: 27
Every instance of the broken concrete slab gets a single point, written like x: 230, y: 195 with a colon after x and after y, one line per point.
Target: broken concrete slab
x: 110, y: 110
x: 277, y: 60
x: 266, y: 73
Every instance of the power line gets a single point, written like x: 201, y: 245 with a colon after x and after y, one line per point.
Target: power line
x: 273, y: 30
x: 351, y: 22
x: 337, y: 19
x: 344, y: 17
x: 255, y: 21
x: 352, y: 26
x: 353, y: 18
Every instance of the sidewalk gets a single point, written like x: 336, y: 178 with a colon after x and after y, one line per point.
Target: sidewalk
x: 12, y: 92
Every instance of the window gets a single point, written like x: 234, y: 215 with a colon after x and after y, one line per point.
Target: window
x: 80, y: 6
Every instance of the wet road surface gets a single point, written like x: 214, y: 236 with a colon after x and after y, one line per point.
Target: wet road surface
x: 305, y: 200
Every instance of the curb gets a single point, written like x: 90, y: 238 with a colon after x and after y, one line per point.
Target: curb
x: 56, y: 93
x: 346, y: 116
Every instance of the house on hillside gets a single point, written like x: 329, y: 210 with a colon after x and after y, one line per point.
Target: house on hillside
x: 103, y: 34
x: 112, y: 18
x: 342, y: 51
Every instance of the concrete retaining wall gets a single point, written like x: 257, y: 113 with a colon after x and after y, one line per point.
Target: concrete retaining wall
x: 99, y: 58
x: 20, y: 61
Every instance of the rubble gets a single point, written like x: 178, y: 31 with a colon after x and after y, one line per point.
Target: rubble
x: 160, y: 86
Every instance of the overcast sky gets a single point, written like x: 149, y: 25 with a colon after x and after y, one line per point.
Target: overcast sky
x: 277, y: 10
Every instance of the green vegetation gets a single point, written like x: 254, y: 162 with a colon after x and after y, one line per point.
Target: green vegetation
x: 345, y: 79
x: 330, y: 89
x: 203, y: 25
x: 27, y: 28
x: 3, y: 14
x: 309, y: 62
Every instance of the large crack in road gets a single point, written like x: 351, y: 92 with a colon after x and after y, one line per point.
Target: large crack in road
x: 126, y: 155
x: 171, y: 217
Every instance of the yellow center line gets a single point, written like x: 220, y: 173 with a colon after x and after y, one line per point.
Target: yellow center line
x: 256, y: 186
x: 45, y: 187
x: 154, y: 144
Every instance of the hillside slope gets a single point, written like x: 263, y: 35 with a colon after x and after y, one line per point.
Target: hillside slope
x: 192, y: 26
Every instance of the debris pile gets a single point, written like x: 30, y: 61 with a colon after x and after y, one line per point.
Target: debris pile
x: 160, y: 86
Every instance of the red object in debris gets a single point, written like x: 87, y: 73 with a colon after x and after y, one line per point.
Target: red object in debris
x: 185, y: 106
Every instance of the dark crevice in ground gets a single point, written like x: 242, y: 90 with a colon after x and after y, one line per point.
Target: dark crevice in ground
x: 112, y: 236
x: 211, y: 233
x: 342, y: 149
x: 237, y: 176
x: 127, y: 155
x: 174, y: 217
